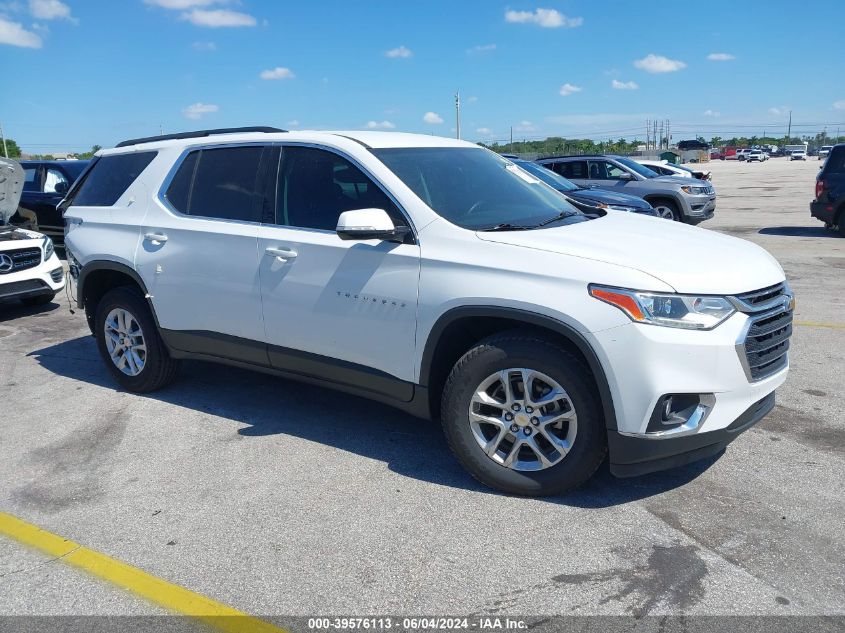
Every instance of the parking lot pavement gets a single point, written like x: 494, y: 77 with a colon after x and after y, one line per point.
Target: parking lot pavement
x: 279, y: 498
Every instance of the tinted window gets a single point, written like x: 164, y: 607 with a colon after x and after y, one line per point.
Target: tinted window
x: 315, y: 186
x: 219, y: 183
x: 572, y: 169
x: 835, y: 161
x: 110, y: 177
x: 30, y: 182
x: 475, y: 188
x: 603, y: 170
x: 549, y: 177
x: 53, y: 179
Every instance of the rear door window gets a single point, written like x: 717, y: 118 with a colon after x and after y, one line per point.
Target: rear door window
x: 836, y: 161
x: 226, y: 183
x: 576, y: 169
x: 109, y: 178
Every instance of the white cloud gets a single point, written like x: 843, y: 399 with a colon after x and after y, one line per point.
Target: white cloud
x: 720, y: 57
x: 525, y: 126
x: 839, y: 105
x: 399, y: 53
x: 547, y: 18
x: 484, y: 131
x: 216, y: 18
x: 568, y: 89
x: 624, y: 85
x: 181, y: 4
x: 50, y: 10
x: 481, y: 48
x: 279, y: 72
x: 471, y: 100
x: 204, y: 46
x: 380, y: 125
x: 659, y: 64
x: 293, y: 123
x: 433, y: 118
x: 198, y: 110
x: 14, y: 34
x: 778, y: 110
x: 712, y: 113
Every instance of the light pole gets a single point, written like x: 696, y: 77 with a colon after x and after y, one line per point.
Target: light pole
x: 458, y: 115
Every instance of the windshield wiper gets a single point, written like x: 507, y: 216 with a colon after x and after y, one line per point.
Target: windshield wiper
x: 507, y: 226
x: 560, y: 216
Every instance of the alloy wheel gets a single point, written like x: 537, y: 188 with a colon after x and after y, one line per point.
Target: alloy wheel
x: 125, y: 342
x: 523, y: 419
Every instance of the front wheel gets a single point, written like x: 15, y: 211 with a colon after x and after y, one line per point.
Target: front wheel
x: 520, y: 415
x: 129, y: 342
x: 668, y: 210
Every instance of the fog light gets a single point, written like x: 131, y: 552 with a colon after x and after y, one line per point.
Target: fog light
x: 677, y: 413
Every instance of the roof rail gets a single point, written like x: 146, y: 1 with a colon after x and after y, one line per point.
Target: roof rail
x: 197, y: 134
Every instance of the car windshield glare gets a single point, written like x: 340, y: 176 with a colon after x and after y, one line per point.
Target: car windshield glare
x: 475, y: 188
x: 547, y: 176
x: 642, y: 170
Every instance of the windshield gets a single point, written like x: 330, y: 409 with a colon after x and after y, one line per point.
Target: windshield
x: 549, y: 177
x: 642, y: 170
x: 475, y: 188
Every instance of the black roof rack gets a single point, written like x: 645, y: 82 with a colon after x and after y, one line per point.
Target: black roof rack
x: 197, y: 134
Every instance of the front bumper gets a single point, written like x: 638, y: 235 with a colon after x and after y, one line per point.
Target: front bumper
x: 46, y: 278
x: 822, y: 210
x: 700, y: 208
x: 645, y: 363
x: 633, y: 456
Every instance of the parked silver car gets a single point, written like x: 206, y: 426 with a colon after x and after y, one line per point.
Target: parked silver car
x: 682, y: 199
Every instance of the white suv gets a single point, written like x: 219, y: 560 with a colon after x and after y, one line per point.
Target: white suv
x: 30, y: 272
x: 436, y: 276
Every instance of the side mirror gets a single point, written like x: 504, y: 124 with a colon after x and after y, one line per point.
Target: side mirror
x: 62, y: 187
x: 369, y: 224
x: 625, y: 176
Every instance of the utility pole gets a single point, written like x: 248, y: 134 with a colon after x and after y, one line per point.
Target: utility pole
x: 458, y: 115
x: 511, y: 138
x: 5, y: 150
x: 789, y: 129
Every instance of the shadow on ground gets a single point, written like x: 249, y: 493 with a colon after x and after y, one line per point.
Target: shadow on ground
x: 12, y: 309
x: 798, y: 231
x: 269, y: 406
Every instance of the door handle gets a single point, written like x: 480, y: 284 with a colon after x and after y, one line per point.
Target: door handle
x: 156, y: 238
x: 282, y: 254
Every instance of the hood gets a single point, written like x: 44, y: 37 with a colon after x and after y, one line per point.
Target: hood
x: 690, y: 259
x: 677, y: 180
x: 608, y: 197
x: 11, y: 187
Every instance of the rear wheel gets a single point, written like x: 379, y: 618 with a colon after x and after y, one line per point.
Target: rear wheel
x: 129, y: 342
x: 38, y: 300
x: 521, y: 416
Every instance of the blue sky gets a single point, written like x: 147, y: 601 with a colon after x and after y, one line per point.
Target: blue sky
x: 79, y: 72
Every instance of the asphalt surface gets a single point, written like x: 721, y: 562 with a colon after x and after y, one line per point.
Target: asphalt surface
x: 278, y: 498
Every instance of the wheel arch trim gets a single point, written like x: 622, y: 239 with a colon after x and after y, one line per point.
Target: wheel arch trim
x: 527, y: 318
x: 107, y: 264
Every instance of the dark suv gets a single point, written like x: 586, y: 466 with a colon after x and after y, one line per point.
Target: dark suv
x: 829, y: 205
x: 45, y: 184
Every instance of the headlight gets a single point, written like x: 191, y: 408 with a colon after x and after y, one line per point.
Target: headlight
x: 695, y: 191
x: 689, y: 312
x: 616, y: 207
x: 48, y: 248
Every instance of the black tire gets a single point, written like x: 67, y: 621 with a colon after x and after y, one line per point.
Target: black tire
x: 38, y: 300
x: 671, y: 207
x: 515, y: 349
x: 159, y: 368
x: 842, y: 226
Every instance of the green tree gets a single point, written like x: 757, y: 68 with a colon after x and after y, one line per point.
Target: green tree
x: 13, y: 148
x: 94, y: 150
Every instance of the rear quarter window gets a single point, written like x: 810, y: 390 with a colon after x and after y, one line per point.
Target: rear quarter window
x: 109, y: 178
x: 835, y: 161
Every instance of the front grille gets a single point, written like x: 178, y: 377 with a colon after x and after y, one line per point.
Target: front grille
x: 20, y: 287
x: 57, y: 275
x: 22, y: 259
x: 759, y: 297
x: 763, y: 349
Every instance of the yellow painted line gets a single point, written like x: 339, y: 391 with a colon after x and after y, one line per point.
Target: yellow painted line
x: 834, y: 326
x: 158, y: 591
